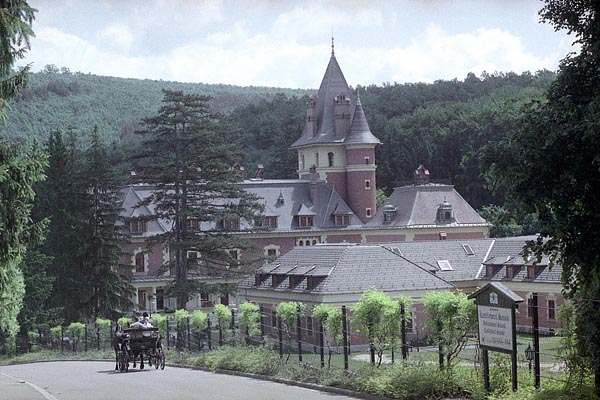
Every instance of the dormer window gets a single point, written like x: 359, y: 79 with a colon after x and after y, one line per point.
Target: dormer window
x: 137, y: 226
x: 280, y: 200
x: 266, y: 221
x: 330, y: 159
x: 444, y: 213
x: 342, y: 220
x: 231, y: 224
x: 305, y: 221
x: 389, y: 213
x: 193, y: 225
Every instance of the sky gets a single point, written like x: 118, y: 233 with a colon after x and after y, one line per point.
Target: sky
x: 287, y: 43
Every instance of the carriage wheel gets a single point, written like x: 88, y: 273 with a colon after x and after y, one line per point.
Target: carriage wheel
x: 161, y: 359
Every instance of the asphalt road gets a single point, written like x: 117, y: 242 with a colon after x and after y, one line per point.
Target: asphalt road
x: 79, y: 380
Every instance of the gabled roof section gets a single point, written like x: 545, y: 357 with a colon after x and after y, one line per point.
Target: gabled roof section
x: 417, y: 206
x: 342, y: 208
x: 360, y: 133
x: 352, y: 269
x: 304, y: 210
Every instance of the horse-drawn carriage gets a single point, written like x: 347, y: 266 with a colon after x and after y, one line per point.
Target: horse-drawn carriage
x: 139, y: 342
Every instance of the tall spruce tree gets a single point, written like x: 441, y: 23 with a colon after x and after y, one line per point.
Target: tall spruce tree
x: 185, y: 156
x: 61, y: 201
x: 101, y: 235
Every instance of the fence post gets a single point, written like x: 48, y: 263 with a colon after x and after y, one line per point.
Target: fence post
x: 209, y: 332
x: 299, y: 332
x: 345, y: 335
x: 536, y: 341
x: 440, y: 348
x: 62, y: 338
x: 321, y: 347
x: 261, y: 311
x: 98, y: 337
x: 403, y: 332
x: 168, y: 336
x: 233, y: 327
x: 86, y: 337
x: 189, y: 336
x: 280, y: 334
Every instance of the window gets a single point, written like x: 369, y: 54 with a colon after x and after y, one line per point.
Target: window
x: 367, y: 184
x: 529, y: 307
x: 192, y: 257
x: 368, y: 212
x: 305, y: 221
x: 342, y: 220
x: 447, y: 216
x: 273, y: 318
x: 205, y: 300
x: 266, y: 222
x: 309, y: 326
x: 317, y: 159
x: 443, y: 236
x: 302, y: 162
x: 142, y: 299
x: 137, y: 226
x: 234, y: 254
x: 409, y: 321
x: 231, y: 224
x: 444, y: 265
x: 330, y: 159
x: 271, y: 253
x: 140, y: 262
x: 552, y: 310
x: 467, y: 248
x: 367, y: 160
x: 193, y: 224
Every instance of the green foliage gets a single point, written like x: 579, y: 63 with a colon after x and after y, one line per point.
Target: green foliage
x: 56, y: 332
x: 199, y: 320
x: 223, y: 313
x: 249, y: 318
x: 508, y: 222
x: 76, y: 330
x: 289, y: 312
x: 19, y: 171
x: 160, y: 321
x: 181, y: 316
x: 256, y: 360
x: 124, y: 322
x: 379, y: 317
x: 452, y: 318
x: 331, y: 319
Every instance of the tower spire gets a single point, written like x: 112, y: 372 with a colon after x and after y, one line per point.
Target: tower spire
x: 332, y: 46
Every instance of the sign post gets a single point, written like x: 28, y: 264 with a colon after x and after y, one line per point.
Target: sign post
x: 497, y: 325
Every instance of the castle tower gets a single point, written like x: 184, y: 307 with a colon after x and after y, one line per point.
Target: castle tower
x: 337, y: 141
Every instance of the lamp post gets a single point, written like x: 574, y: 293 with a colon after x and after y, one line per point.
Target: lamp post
x: 529, y: 356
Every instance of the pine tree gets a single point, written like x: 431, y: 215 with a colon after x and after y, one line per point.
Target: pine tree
x: 101, y: 235
x: 185, y: 156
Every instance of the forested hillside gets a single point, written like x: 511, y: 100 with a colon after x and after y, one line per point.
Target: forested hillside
x: 58, y: 99
x: 446, y: 125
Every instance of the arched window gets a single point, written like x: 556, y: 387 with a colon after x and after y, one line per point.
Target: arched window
x: 330, y: 158
x: 447, y: 215
x: 140, y: 262
x: 301, y: 243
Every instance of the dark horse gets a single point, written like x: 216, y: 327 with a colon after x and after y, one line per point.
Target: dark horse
x: 118, y: 342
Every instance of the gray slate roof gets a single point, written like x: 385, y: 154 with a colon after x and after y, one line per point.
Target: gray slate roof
x: 509, y: 251
x: 347, y: 269
x: 417, y: 205
x: 296, y: 201
x: 360, y: 133
x: 465, y: 267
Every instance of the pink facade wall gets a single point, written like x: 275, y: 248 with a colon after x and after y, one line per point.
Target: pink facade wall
x: 337, y: 181
x: 344, y: 238
x: 427, y: 236
x: 285, y: 243
x: 386, y: 238
x: 524, y: 320
x: 357, y: 156
x: 359, y: 198
x: 155, y: 256
x: 465, y: 235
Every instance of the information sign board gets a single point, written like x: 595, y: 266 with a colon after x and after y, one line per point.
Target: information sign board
x: 495, y: 327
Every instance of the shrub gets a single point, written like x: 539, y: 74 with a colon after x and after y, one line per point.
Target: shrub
x: 124, y: 322
x: 199, y: 320
x: 256, y: 360
x: 250, y: 318
x: 55, y: 332
x: 160, y: 321
x: 181, y: 316
x: 76, y: 330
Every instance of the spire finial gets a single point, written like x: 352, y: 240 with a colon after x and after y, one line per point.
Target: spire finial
x: 332, y: 46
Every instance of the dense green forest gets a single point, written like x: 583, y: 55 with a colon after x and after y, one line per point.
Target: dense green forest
x: 59, y: 99
x: 445, y: 125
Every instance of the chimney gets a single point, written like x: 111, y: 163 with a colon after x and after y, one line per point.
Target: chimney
x: 341, y: 112
x: 314, y: 176
x: 421, y: 175
x: 311, y: 116
x: 260, y: 170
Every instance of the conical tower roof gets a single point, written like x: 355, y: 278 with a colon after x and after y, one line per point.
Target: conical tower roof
x: 333, y: 84
x: 360, y: 133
